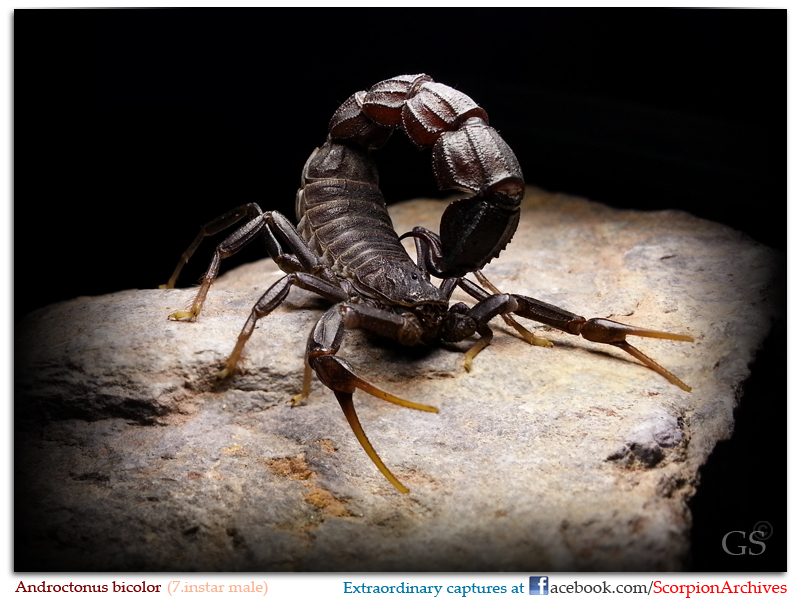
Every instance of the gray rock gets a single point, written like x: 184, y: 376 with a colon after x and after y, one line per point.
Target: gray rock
x: 131, y: 455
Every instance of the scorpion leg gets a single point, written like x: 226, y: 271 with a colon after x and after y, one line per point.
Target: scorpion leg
x: 483, y: 312
x: 526, y: 335
x: 271, y: 299
x: 338, y: 375
x: 272, y: 227
x: 602, y: 331
x: 256, y: 226
x: 251, y: 211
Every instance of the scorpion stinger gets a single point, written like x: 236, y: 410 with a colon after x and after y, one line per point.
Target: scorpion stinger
x: 346, y: 250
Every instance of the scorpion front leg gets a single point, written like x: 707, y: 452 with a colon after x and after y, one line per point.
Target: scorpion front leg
x: 602, y: 331
x: 462, y: 321
x: 337, y: 374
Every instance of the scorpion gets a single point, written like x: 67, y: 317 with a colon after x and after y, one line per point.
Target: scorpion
x: 345, y: 249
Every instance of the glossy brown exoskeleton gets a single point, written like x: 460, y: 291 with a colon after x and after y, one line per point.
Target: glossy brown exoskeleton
x: 345, y: 248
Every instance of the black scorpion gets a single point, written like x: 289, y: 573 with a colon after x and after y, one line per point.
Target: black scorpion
x: 345, y: 248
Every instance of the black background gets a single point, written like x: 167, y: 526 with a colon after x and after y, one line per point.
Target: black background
x: 134, y: 127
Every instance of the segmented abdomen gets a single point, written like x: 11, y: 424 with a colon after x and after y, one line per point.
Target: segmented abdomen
x: 345, y: 221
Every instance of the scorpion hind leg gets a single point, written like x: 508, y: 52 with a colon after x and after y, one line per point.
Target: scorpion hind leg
x: 266, y: 304
x: 271, y: 299
x: 231, y: 245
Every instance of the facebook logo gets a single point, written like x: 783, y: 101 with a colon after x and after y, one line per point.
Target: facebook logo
x: 540, y: 585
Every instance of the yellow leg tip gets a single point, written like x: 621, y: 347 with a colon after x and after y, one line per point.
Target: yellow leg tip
x: 182, y: 314
x: 224, y: 373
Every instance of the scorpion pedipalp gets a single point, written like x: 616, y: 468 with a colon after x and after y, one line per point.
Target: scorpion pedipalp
x: 606, y: 331
x: 338, y: 375
x: 598, y: 330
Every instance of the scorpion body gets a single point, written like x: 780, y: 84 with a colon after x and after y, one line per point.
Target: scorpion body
x: 345, y: 248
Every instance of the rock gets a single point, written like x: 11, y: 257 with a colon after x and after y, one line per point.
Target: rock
x: 131, y: 455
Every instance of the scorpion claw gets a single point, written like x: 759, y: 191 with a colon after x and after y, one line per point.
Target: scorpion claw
x: 649, y: 362
x: 384, y: 395
x: 338, y: 375
x: 346, y: 402
x: 605, y: 331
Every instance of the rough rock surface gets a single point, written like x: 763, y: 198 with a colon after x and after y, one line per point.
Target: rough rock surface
x: 130, y: 455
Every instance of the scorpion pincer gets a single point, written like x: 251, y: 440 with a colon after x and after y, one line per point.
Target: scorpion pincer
x: 345, y: 248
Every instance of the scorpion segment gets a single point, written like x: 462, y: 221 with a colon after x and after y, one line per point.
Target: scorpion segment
x: 437, y: 108
x: 474, y: 158
x: 350, y: 124
x: 340, y: 162
x: 423, y: 108
x: 384, y: 101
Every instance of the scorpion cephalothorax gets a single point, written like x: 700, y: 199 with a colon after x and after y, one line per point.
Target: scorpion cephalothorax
x: 345, y: 248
